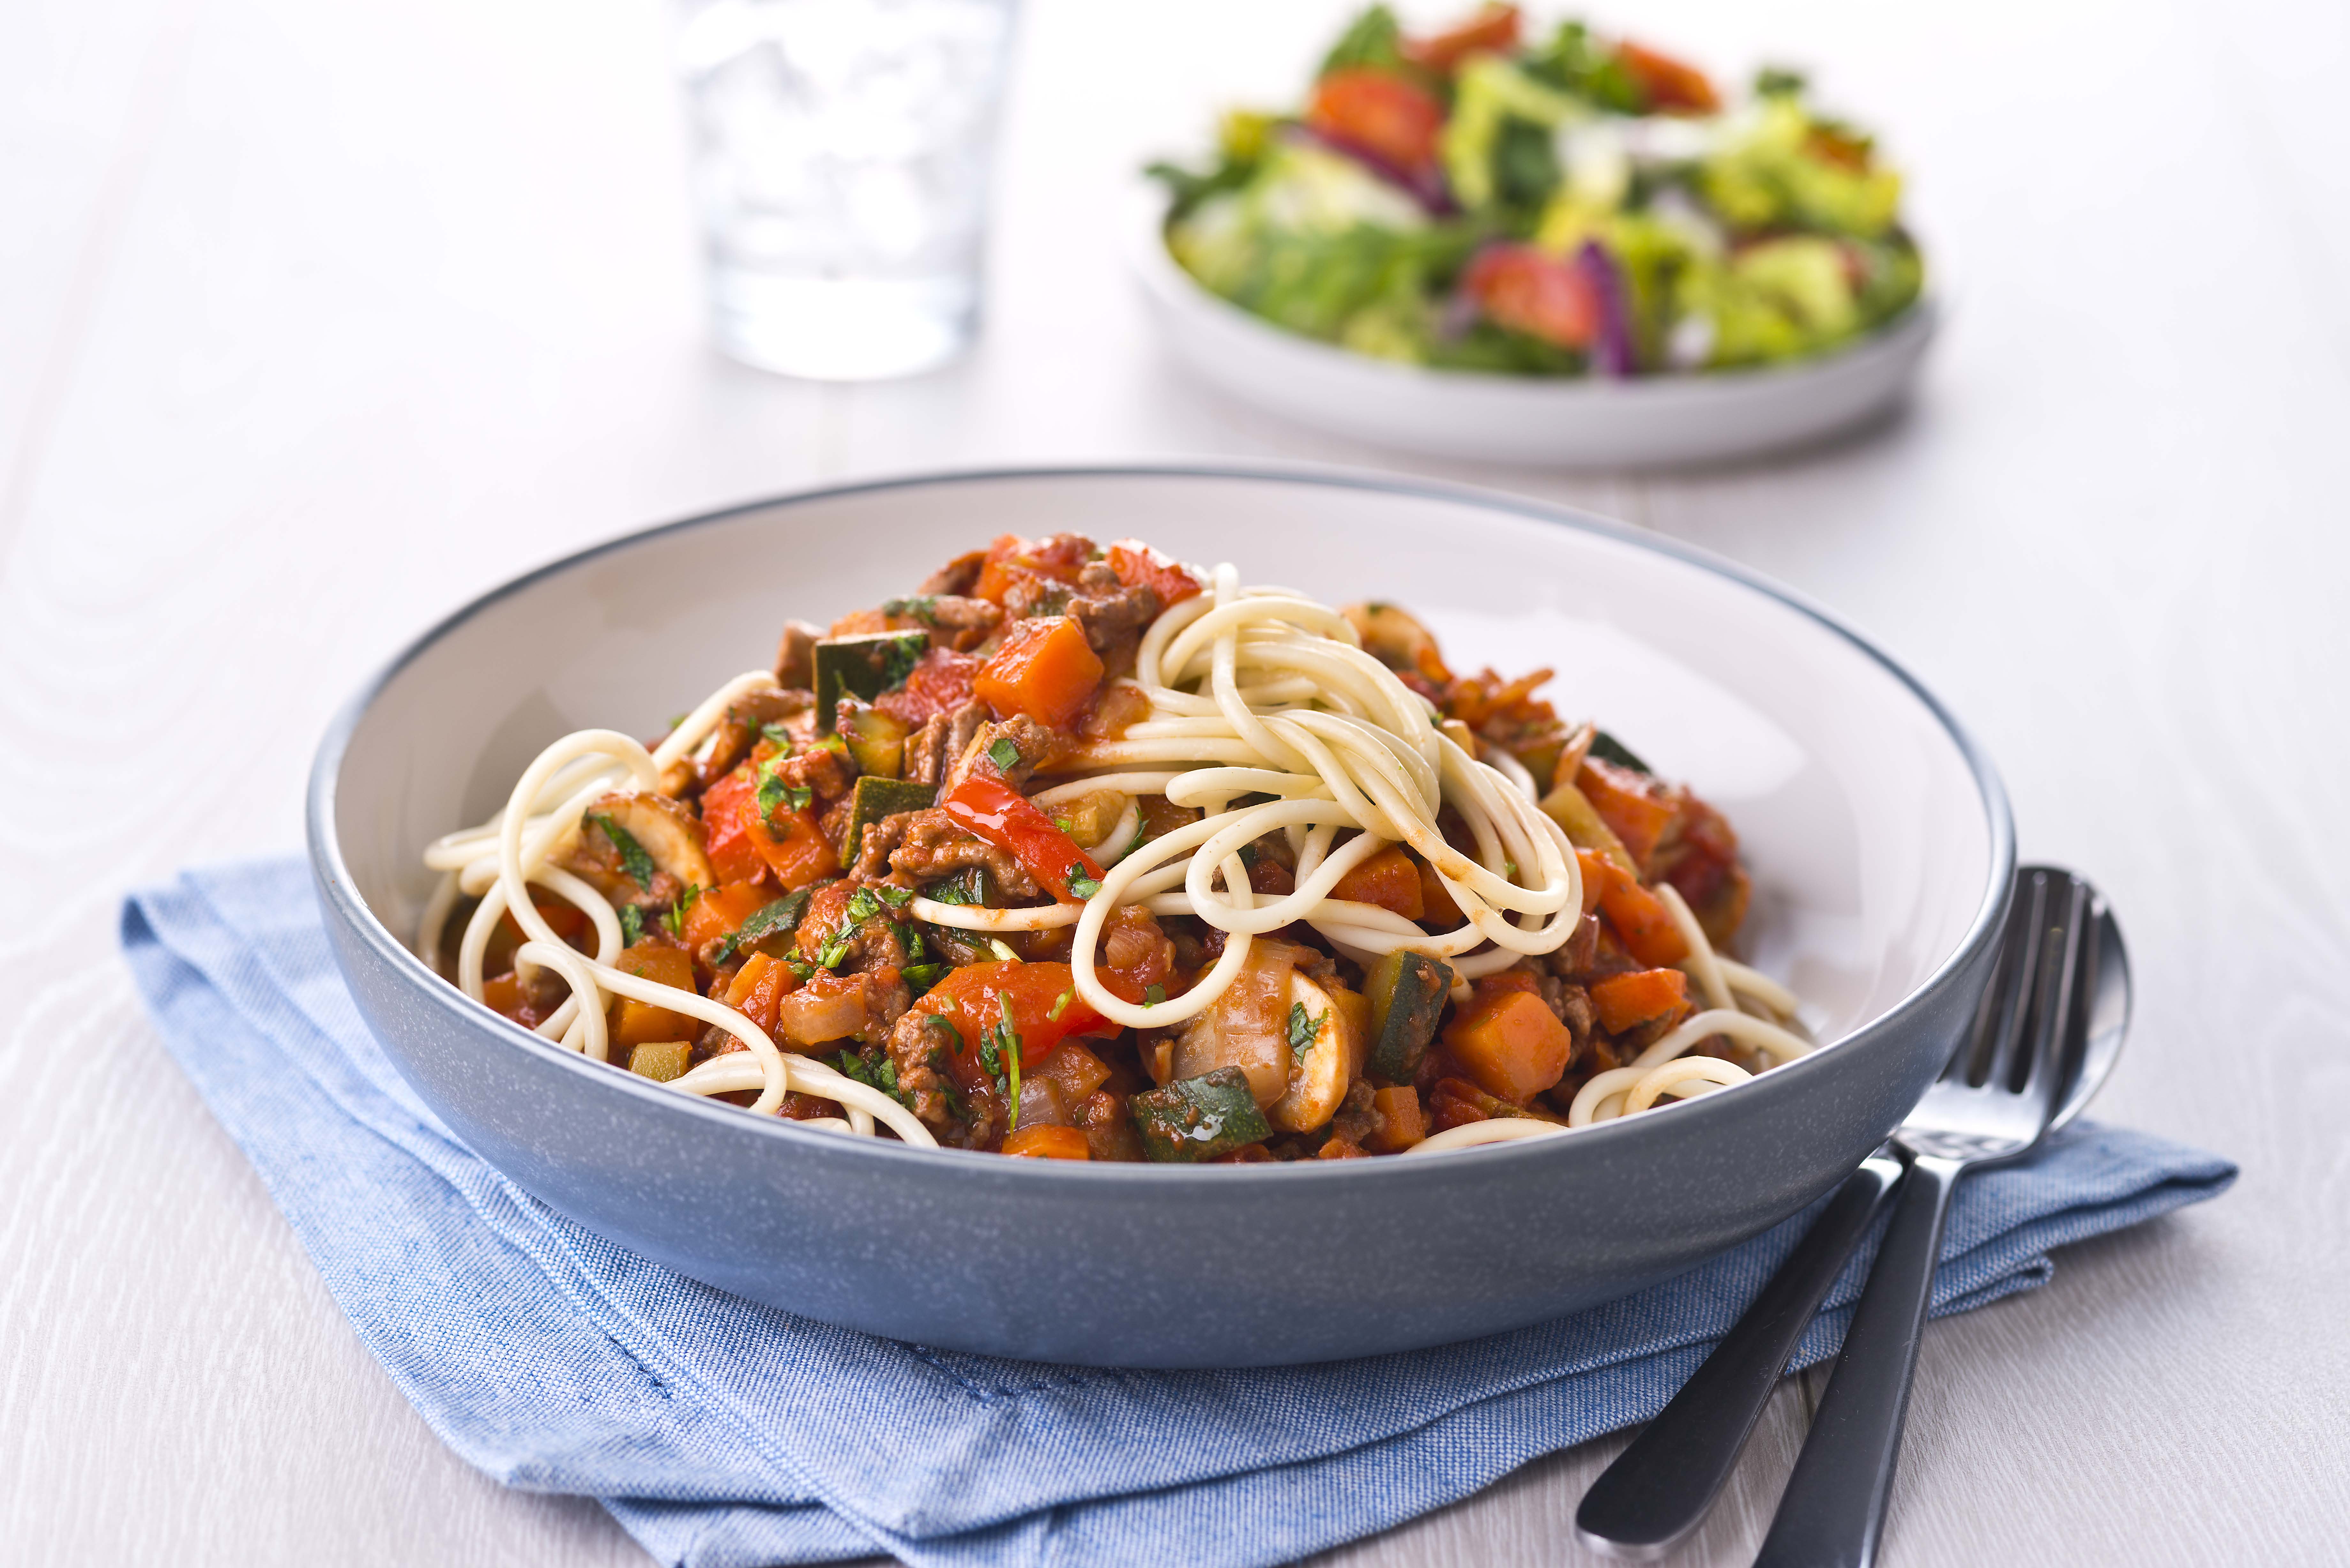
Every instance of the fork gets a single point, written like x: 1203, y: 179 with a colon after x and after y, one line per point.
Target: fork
x: 1992, y: 1104
x: 1661, y: 1488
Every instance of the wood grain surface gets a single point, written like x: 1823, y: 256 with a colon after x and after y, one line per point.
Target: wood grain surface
x: 316, y: 319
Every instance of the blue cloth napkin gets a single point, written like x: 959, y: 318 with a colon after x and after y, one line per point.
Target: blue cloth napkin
x: 723, y: 1433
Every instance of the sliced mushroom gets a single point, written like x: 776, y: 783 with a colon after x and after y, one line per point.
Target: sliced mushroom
x: 1319, y: 1075
x: 663, y: 828
x: 1396, y: 640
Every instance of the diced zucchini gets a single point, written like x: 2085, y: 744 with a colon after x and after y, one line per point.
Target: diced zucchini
x: 875, y: 740
x: 1407, y: 992
x: 875, y: 798
x: 863, y: 667
x: 1199, y: 1119
x: 661, y: 1060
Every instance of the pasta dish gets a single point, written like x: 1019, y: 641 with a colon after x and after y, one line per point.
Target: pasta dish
x: 1088, y: 854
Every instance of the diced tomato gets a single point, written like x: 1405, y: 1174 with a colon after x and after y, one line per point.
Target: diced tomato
x: 1638, y: 915
x: 502, y: 994
x: 723, y: 909
x: 995, y: 811
x: 1624, y: 1000
x: 1048, y: 1143
x: 938, y: 683
x: 1045, y: 669
x: 1389, y: 880
x: 1636, y: 807
x: 1513, y: 1044
x: 1531, y: 291
x: 1042, y: 998
x: 1379, y: 112
x: 1138, y: 565
x: 1494, y: 30
x: 1059, y: 559
x: 1671, y: 86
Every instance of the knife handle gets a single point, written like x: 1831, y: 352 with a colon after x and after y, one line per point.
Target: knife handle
x: 1660, y: 1487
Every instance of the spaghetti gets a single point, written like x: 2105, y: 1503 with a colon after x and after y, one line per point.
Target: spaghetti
x: 1088, y: 855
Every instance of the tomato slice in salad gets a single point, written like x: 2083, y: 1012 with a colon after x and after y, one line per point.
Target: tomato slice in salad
x: 1531, y: 291
x: 1380, y: 113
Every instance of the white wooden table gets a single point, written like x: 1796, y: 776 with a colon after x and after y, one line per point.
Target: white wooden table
x: 316, y: 319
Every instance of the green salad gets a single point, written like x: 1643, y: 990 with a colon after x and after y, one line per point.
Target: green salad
x: 1491, y: 199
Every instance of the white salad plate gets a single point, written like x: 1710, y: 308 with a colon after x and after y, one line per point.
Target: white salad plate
x: 1656, y: 421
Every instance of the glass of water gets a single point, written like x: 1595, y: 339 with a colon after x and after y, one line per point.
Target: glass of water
x: 842, y: 151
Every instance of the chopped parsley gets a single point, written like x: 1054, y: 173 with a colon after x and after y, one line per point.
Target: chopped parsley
x: 968, y: 886
x: 1152, y: 995
x: 1005, y: 754
x: 633, y: 859
x: 675, y: 918
x: 1002, y: 952
x: 881, y: 1075
x: 921, y: 977
x: 632, y: 925
x: 1251, y: 854
x: 923, y: 607
x: 774, y: 791
x: 768, y: 920
x: 1304, y: 1028
x: 779, y: 736
x: 1059, y: 1002
x: 999, y: 1053
x: 802, y: 971
x: 834, y: 953
x: 1083, y: 886
x: 898, y: 661
x: 895, y: 898
x: 863, y: 905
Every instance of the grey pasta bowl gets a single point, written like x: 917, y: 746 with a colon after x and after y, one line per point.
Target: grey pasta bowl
x: 1877, y: 833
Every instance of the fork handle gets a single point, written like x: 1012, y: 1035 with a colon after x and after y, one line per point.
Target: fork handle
x: 1832, y: 1511
x: 1660, y: 1487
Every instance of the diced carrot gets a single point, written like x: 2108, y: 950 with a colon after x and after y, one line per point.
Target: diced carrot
x: 799, y: 855
x: 1056, y: 559
x: 1400, y: 1121
x: 1045, y: 669
x: 728, y: 808
x: 1436, y: 904
x: 637, y: 1023
x: 940, y: 682
x: 563, y: 916
x: 1626, y: 1000
x: 1049, y: 1142
x: 1635, y: 807
x: 723, y: 909
x: 1514, y: 1046
x: 1672, y: 87
x: 502, y: 994
x: 1387, y: 879
x: 1638, y: 915
x: 1138, y: 565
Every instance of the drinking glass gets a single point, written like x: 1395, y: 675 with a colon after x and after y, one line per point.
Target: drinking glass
x: 841, y: 159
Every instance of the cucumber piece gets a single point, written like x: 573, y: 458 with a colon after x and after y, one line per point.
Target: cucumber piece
x: 1407, y: 992
x: 1199, y: 1119
x: 873, y: 798
x: 1609, y: 749
x: 863, y: 667
x: 876, y: 741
